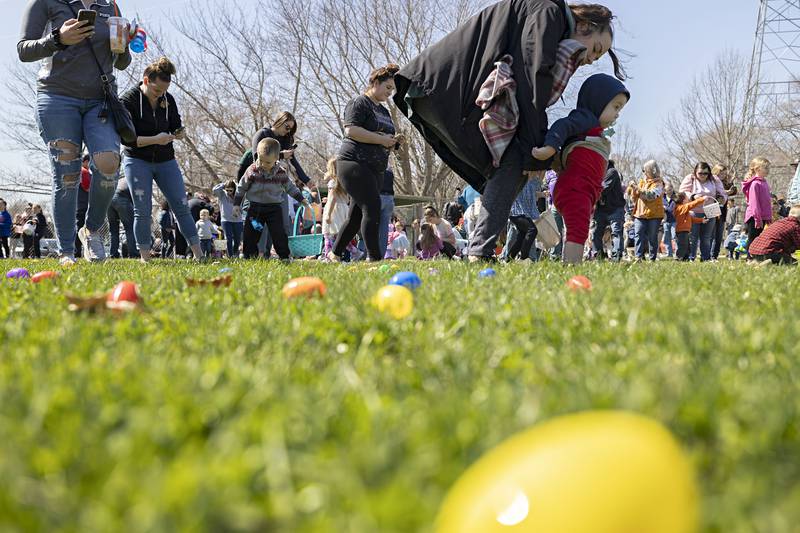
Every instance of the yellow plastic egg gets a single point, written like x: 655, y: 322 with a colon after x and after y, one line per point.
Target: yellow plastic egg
x: 394, y: 300
x: 594, y: 472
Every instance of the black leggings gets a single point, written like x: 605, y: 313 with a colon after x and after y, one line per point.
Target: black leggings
x: 752, y: 232
x: 526, y: 236
x: 5, y: 251
x: 362, y: 184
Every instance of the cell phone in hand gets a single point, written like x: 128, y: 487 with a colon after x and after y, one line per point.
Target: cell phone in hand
x: 87, y: 15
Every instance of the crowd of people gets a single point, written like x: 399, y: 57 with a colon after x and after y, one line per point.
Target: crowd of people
x: 477, y: 97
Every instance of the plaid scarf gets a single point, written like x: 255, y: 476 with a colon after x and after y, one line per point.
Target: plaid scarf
x: 498, y: 98
x: 569, y: 52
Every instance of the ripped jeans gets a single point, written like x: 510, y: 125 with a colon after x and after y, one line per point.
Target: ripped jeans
x: 66, y: 124
x: 167, y: 175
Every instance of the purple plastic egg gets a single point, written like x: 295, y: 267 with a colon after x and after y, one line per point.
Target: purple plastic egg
x: 18, y: 273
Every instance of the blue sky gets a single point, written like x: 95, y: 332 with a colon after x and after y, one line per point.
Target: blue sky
x: 672, y: 41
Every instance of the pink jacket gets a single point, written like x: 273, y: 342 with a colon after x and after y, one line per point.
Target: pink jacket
x: 759, y: 200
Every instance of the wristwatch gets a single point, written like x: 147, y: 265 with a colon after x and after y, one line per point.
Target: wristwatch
x: 56, y: 34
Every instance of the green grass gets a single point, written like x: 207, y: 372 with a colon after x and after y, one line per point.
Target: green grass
x: 233, y: 409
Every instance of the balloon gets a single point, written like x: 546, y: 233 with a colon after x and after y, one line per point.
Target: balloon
x: 18, y: 273
x: 394, y: 300
x: 487, y: 273
x: 593, y: 472
x: 409, y: 280
x: 124, y: 296
x: 41, y: 276
x: 307, y: 286
x: 579, y: 283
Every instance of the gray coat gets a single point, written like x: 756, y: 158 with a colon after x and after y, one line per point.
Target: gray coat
x: 72, y: 71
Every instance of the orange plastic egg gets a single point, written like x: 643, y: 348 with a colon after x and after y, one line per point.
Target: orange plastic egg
x: 124, y: 296
x: 579, y: 283
x: 41, y: 276
x: 306, y: 286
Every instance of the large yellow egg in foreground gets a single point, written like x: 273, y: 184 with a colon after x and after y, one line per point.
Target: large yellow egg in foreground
x: 594, y: 472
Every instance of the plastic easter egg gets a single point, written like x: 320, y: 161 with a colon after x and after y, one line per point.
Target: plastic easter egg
x: 433, y: 271
x: 18, y: 273
x: 306, y: 286
x: 594, y: 472
x: 225, y: 270
x: 384, y: 268
x: 41, y: 276
x: 395, y: 301
x: 409, y: 280
x: 124, y: 296
x: 487, y: 273
x: 579, y: 283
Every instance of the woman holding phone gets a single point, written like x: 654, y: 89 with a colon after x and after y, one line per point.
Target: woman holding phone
x: 70, y: 110
x: 369, y: 135
x: 152, y: 158
x: 282, y: 130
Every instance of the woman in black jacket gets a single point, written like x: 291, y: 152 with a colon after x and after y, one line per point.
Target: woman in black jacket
x: 152, y: 158
x: 546, y: 41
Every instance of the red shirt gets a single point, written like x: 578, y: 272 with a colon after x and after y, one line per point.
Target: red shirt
x: 86, y: 179
x: 781, y: 237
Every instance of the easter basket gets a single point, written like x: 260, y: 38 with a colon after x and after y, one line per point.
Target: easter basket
x: 305, y: 245
x: 712, y: 210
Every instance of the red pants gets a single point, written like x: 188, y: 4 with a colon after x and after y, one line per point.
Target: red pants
x: 577, y: 190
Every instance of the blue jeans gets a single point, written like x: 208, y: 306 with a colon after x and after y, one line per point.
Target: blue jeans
x: 669, y: 236
x: 387, y: 210
x: 141, y: 175
x: 647, y: 236
x: 207, y: 247
x: 702, y: 235
x: 233, y: 237
x: 616, y: 219
x: 556, y: 252
x: 65, y: 125
x: 121, y: 211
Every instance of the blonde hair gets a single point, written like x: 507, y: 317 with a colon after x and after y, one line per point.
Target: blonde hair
x: 206, y: 211
x: 755, y: 164
x: 330, y: 174
x: 268, y: 148
x: 652, y: 169
x: 795, y: 211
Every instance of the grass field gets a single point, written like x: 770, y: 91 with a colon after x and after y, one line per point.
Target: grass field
x: 233, y: 409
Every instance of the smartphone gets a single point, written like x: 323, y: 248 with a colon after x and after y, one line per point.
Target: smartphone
x: 87, y: 15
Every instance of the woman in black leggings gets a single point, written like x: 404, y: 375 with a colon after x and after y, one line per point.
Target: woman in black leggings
x: 369, y: 135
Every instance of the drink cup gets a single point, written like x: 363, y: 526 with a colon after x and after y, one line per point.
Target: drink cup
x: 118, y: 34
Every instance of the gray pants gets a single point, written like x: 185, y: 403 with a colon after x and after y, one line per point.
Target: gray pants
x: 498, y: 196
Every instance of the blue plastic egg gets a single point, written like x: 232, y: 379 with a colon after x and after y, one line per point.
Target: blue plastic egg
x: 409, y: 280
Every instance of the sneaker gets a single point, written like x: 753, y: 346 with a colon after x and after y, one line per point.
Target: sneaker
x: 93, y: 249
x: 66, y: 260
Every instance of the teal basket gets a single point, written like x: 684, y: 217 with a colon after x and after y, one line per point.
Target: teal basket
x: 305, y: 245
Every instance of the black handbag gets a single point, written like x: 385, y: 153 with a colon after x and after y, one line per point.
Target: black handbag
x: 123, y: 121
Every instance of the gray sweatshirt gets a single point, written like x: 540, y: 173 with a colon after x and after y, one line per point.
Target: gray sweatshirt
x: 73, y: 71
x: 264, y: 187
x: 225, y: 204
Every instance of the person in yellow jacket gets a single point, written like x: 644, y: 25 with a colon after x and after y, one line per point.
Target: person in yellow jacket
x: 648, y: 196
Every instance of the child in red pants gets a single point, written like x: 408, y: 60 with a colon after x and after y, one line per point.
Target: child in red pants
x: 585, y: 149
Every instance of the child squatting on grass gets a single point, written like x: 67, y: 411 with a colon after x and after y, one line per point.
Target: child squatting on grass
x: 585, y: 149
x: 264, y: 185
x: 779, y: 241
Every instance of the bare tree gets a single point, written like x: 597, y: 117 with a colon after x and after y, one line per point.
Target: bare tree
x: 340, y: 41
